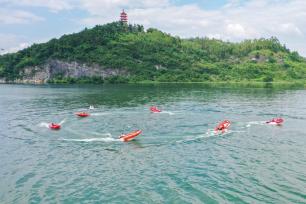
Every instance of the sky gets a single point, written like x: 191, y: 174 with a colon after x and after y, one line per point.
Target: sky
x: 24, y: 22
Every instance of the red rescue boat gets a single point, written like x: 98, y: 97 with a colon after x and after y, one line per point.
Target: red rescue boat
x: 224, y: 125
x: 275, y: 121
x: 154, y: 109
x: 54, y: 126
x: 128, y: 137
x: 82, y: 114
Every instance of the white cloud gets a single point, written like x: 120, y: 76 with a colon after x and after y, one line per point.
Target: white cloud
x: 236, y: 30
x: 290, y: 29
x: 19, y: 46
x: 8, y: 16
x: 235, y: 21
x: 53, y: 5
x: 102, y: 7
x: 12, y: 43
x: 103, y: 11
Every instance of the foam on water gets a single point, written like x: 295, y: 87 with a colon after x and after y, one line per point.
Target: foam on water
x: 249, y: 124
x: 62, y: 122
x: 43, y: 124
x: 99, y: 114
x: 208, y: 134
x: 167, y: 112
x: 212, y: 132
x: 94, y: 139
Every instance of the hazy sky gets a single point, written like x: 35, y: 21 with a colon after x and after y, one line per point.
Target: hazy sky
x: 23, y: 22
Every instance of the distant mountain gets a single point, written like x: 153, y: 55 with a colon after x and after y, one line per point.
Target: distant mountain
x: 118, y: 53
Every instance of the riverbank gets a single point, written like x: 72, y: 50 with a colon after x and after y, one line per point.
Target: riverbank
x: 235, y: 83
x: 247, y: 84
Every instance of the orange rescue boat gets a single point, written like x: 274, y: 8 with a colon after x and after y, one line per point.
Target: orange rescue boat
x: 154, y: 109
x: 82, y: 114
x: 128, y: 137
x: 275, y: 121
x: 223, y: 126
x: 54, y: 126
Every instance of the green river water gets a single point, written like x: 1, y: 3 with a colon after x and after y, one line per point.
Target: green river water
x: 177, y: 158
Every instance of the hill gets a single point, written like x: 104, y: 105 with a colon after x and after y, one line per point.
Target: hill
x: 119, y: 53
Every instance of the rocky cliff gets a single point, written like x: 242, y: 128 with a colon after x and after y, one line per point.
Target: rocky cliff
x: 57, y: 68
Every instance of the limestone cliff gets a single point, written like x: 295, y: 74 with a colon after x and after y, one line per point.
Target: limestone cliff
x: 55, y: 68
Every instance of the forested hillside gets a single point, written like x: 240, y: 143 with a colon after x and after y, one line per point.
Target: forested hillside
x: 152, y: 55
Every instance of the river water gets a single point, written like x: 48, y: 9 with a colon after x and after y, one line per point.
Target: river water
x: 177, y: 158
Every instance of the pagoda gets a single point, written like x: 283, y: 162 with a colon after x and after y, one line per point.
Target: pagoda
x: 123, y: 17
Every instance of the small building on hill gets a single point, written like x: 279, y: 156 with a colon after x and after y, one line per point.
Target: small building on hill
x: 123, y: 17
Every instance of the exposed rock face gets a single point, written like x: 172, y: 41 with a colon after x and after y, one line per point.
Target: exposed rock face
x: 54, y: 68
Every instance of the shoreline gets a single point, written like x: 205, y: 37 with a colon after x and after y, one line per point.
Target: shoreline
x: 210, y: 83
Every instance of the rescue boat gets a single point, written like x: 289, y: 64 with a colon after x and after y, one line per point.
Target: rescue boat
x: 128, y: 137
x: 224, y: 125
x: 82, y: 114
x: 154, y: 109
x: 275, y: 121
x: 54, y: 126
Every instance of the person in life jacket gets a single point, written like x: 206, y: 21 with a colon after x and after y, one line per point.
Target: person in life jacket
x: 154, y: 109
x: 276, y: 121
x: 223, y: 126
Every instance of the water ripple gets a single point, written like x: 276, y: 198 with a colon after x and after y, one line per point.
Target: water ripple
x: 177, y: 159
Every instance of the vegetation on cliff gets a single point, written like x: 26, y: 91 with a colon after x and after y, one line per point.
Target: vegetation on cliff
x: 152, y: 55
